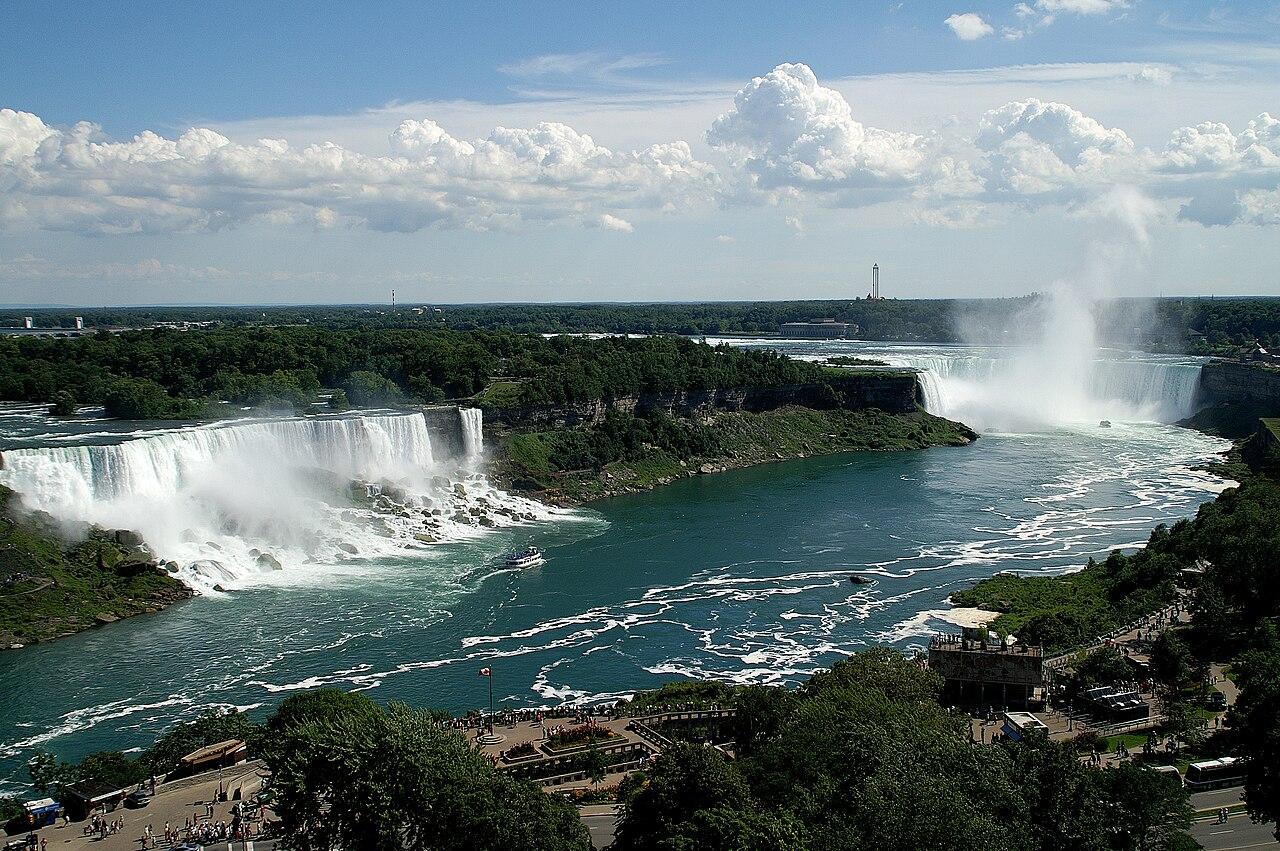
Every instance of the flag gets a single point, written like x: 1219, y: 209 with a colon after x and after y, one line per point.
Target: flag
x: 486, y: 672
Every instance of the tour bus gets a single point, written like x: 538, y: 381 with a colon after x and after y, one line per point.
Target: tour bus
x: 1215, y: 773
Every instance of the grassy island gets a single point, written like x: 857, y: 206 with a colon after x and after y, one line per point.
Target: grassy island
x: 49, y: 587
x: 626, y: 453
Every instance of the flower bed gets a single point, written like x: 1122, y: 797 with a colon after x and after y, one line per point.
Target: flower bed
x: 580, y: 736
x: 524, y: 750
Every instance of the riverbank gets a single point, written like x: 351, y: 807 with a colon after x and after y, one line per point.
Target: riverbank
x: 50, y: 588
x: 1069, y: 611
x: 533, y: 461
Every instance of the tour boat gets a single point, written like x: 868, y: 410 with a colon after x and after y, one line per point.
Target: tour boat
x: 529, y: 557
x: 1105, y: 423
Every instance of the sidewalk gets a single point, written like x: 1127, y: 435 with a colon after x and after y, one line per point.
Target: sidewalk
x: 173, y: 803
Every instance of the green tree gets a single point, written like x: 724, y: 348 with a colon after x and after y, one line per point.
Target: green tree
x: 691, y: 791
x: 595, y: 764
x: 209, y: 728
x: 1172, y: 664
x: 398, y: 779
x: 45, y: 771
x: 1255, y: 719
x: 1144, y: 807
x: 64, y: 404
x: 1103, y: 666
x: 369, y: 388
x: 110, y: 767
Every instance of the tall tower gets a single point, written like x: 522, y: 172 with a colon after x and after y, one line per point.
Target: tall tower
x: 875, y: 280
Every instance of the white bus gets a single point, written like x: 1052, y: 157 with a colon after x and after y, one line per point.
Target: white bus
x: 1215, y: 773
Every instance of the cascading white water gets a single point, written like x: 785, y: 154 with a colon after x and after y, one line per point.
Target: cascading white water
x: 993, y: 388
x: 230, y: 502
x: 472, y: 431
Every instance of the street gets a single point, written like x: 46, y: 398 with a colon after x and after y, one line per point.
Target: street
x: 1237, y: 833
x: 600, y: 821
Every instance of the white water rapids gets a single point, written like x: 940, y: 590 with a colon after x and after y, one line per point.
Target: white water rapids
x: 231, y: 503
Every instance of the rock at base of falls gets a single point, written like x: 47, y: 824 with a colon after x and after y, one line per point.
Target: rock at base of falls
x: 270, y: 562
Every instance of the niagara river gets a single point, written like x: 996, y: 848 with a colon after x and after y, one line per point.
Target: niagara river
x: 742, y: 576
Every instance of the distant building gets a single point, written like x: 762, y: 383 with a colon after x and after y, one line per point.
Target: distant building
x: 79, y: 323
x: 822, y: 329
x: 978, y: 668
x: 28, y: 323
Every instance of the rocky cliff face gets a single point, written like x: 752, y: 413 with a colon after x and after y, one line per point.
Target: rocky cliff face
x: 1233, y: 382
x: 892, y: 392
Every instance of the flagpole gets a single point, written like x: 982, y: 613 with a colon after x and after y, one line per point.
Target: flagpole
x: 490, y: 678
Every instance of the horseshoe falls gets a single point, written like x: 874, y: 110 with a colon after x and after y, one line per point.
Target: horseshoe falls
x: 994, y: 388
x: 1003, y: 390
x: 227, y: 504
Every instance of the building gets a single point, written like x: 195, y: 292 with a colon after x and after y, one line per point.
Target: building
x: 79, y: 323
x: 875, y: 281
x: 978, y: 668
x: 28, y: 323
x: 219, y: 755
x: 85, y: 796
x: 1116, y: 703
x: 822, y: 329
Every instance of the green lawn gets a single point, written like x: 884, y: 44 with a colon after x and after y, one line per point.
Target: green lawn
x: 499, y: 394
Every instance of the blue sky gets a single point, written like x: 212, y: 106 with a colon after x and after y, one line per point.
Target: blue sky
x: 650, y: 151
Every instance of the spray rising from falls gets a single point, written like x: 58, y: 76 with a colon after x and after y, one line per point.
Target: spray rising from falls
x: 230, y: 503
x: 1058, y: 375
x: 993, y: 388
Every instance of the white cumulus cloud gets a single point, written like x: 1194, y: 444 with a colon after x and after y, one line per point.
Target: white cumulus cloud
x: 77, y: 179
x: 786, y: 130
x: 969, y: 26
x: 1033, y: 147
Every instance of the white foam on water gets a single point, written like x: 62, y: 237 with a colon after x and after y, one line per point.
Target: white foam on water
x: 282, y: 501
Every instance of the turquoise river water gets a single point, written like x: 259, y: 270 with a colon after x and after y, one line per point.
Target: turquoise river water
x: 742, y: 576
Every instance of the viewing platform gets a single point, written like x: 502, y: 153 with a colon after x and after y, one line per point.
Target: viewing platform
x: 979, y: 668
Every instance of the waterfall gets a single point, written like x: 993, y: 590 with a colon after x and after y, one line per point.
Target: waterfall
x: 230, y: 502
x: 993, y: 388
x: 472, y: 431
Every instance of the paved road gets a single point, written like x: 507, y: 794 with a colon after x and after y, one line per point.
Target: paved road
x: 1230, y: 796
x: 1238, y: 834
x: 600, y: 821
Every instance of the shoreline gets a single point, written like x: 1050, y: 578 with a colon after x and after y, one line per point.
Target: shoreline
x: 784, y: 434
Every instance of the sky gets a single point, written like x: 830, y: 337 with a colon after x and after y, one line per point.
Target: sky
x: 230, y: 152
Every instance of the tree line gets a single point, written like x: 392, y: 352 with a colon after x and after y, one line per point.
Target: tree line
x: 171, y: 374
x: 1198, y: 325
